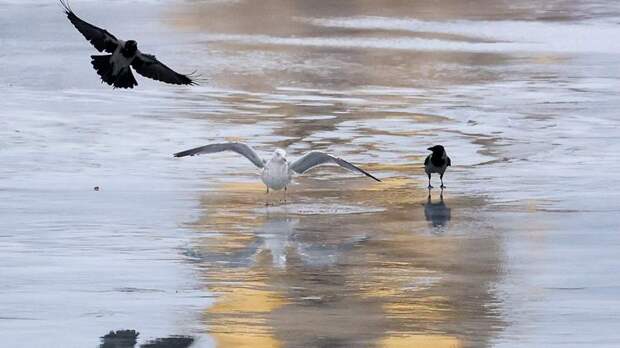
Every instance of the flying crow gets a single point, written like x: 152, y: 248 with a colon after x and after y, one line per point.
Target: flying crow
x: 114, y: 68
x: 437, y: 162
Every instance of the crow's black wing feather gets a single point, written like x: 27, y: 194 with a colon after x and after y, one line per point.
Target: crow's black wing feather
x: 148, y: 66
x: 100, y: 38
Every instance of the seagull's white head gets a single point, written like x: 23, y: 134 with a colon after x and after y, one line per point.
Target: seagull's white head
x: 279, y: 155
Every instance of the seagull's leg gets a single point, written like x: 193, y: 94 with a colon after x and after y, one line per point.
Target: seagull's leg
x: 284, y: 194
x: 429, y: 181
x: 267, y: 197
x: 441, y: 177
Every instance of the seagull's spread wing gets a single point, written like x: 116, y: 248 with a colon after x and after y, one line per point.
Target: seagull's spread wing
x: 148, y: 66
x: 316, y: 158
x: 239, y: 148
x: 100, y: 38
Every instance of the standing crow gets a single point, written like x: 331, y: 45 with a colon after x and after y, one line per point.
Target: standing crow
x: 437, y: 162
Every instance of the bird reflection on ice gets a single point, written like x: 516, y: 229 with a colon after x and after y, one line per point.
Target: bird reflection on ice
x: 278, y: 236
x: 129, y: 339
x: 330, y: 271
x: 438, y: 213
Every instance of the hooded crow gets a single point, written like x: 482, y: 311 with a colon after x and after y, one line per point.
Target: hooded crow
x: 114, y: 68
x: 437, y: 162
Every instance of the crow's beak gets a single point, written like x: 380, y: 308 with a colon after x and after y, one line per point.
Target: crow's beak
x: 430, y: 149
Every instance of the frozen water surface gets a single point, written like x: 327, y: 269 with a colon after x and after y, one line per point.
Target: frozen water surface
x: 520, y: 250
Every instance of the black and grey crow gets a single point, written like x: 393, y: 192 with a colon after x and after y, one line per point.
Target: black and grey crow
x: 115, y: 68
x: 437, y: 162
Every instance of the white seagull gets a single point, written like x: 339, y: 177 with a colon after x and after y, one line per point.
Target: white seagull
x: 277, y: 172
x: 437, y: 162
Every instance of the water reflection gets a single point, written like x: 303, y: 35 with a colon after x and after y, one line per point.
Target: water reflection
x: 277, y: 244
x: 169, y: 342
x: 305, y: 275
x: 438, y: 213
x: 119, y: 339
x: 275, y: 235
x: 129, y: 338
x: 279, y: 238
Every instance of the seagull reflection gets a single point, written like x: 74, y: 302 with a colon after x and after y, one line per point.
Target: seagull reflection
x: 279, y: 237
x: 438, y: 213
x: 276, y: 235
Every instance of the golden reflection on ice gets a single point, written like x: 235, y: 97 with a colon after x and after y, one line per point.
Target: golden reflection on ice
x: 420, y: 341
x: 301, y: 274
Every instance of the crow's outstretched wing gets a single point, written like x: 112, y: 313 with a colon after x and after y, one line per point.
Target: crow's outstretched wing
x: 316, y: 158
x: 100, y: 38
x: 148, y: 66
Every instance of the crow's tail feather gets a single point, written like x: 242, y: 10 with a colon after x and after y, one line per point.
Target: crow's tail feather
x: 125, y: 79
x: 104, y: 68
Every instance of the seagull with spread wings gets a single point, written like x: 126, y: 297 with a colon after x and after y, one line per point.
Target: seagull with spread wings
x: 277, y: 172
x: 115, y: 68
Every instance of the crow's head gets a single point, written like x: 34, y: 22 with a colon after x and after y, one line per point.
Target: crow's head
x: 438, y: 149
x: 131, y: 47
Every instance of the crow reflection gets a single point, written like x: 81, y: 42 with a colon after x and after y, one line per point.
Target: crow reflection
x: 438, y: 213
x: 129, y: 338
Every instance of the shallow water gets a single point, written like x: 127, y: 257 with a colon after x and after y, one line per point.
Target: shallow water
x: 520, y: 250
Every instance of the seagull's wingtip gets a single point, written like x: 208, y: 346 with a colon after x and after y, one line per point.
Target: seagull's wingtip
x: 373, y: 177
